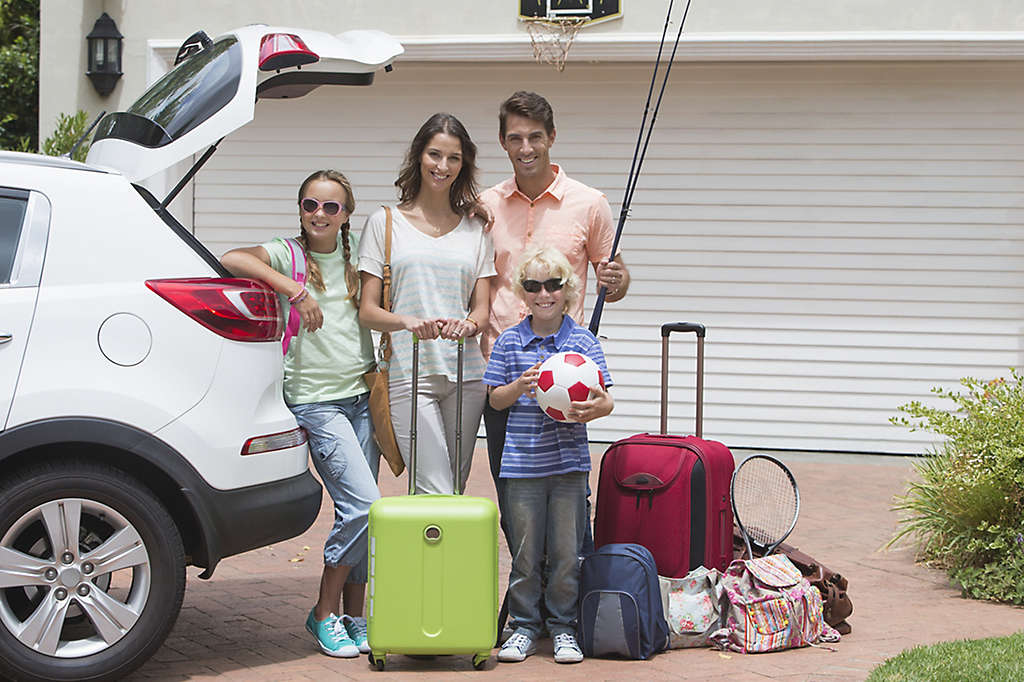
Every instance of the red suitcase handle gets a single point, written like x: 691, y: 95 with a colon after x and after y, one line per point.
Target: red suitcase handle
x: 701, y: 332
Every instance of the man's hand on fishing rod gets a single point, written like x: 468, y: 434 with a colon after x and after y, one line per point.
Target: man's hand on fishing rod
x: 614, y: 277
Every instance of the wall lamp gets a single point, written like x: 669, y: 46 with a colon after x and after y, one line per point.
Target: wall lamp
x: 104, y: 44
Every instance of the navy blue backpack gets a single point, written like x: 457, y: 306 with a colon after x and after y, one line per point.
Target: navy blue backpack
x: 620, y: 604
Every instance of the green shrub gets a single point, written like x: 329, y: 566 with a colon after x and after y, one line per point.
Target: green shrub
x: 69, y: 129
x: 967, y: 511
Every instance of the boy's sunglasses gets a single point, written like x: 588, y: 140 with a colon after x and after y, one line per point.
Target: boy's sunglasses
x: 533, y: 286
x: 310, y: 205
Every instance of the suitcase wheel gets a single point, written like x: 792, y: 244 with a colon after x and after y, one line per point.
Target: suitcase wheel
x: 377, y: 661
x: 480, y: 660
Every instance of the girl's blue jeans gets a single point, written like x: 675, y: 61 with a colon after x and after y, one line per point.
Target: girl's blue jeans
x: 341, y: 446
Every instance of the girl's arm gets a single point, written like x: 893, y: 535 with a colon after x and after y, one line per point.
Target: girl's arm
x: 254, y: 262
x: 503, y: 397
x: 372, y: 315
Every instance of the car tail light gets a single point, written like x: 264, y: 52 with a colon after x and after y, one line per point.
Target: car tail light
x: 274, y: 441
x: 237, y: 309
x: 284, y: 50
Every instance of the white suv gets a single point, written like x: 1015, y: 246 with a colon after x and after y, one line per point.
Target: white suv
x: 142, y: 426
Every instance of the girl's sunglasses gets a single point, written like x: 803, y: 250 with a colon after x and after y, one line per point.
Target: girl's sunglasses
x: 551, y: 285
x: 310, y: 205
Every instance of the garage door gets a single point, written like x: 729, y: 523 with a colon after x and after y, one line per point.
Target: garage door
x: 849, y: 233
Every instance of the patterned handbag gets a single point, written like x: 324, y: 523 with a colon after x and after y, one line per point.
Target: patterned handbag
x: 770, y: 606
x: 693, y: 607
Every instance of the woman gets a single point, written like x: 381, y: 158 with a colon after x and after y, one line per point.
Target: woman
x: 324, y: 387
x: 441, y: 262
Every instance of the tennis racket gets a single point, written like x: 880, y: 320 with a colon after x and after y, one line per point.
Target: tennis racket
x: 765, y: 502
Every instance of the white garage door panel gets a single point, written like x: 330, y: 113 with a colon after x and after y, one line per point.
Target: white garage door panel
x: 849, y: 233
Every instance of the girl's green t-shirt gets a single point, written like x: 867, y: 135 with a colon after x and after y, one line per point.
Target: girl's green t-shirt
x: 327, y: 364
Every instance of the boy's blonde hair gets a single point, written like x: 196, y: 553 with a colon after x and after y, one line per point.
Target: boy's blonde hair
x: 557, y: 265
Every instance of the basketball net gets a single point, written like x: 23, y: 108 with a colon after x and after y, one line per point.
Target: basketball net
x: 552, y: 38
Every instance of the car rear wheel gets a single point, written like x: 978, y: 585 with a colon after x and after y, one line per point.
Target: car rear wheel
x: 92, y: 573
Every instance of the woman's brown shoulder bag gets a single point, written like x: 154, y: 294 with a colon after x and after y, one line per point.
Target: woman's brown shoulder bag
x: 377, y: 380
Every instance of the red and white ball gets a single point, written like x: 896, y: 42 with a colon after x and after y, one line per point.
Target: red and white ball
x: 566, y: 378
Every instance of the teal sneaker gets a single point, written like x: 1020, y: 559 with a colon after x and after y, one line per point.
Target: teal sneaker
x: 355, y: 626
x: 331, y: 636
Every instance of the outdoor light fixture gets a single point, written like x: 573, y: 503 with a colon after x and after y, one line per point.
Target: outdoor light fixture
x: 104, y: 54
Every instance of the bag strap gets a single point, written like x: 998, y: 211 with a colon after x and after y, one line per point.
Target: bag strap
x: 298, y: 258
x: 384, y: 349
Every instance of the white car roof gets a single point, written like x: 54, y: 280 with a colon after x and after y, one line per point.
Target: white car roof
x: 22, y: 158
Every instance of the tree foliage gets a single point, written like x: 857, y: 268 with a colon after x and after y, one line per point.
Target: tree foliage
x: 19, y: 74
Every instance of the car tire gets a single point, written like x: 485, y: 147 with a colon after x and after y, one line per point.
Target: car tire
x: 98, y: 609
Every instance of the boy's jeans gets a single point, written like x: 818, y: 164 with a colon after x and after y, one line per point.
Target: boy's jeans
x: 545, y: 513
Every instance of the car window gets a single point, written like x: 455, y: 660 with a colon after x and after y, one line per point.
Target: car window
x: 189, y: 94
x: 12, y: 217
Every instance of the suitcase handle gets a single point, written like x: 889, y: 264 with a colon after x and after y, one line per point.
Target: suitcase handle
x: 457, y: 476
x: 701, y: 332
x: 695, y: 327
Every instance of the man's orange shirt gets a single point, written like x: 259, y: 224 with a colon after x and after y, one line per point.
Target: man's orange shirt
x: 568, y: 215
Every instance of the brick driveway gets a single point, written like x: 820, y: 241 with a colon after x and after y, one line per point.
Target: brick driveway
x: 247, y: 622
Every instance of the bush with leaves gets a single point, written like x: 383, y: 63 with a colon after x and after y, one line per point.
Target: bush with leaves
x: 967, y: 511
x: 68, y: 131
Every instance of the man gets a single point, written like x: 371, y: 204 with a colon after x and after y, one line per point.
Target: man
x: 540, y: 206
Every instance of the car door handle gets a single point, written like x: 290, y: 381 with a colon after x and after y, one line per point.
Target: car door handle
x: 4, y: 338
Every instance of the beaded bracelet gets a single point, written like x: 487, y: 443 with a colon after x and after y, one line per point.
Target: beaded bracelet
x: 299, y: 297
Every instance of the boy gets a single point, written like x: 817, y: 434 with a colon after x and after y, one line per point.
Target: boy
x: 545, y: 463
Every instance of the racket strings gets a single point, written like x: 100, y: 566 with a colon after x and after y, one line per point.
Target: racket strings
x: 765, y: 499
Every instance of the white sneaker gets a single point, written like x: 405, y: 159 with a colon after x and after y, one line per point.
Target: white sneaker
x: 566, y: 649
x: 517, y: 648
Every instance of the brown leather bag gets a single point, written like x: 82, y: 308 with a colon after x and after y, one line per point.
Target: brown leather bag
x: 831, y: 585
x: 377, y: 380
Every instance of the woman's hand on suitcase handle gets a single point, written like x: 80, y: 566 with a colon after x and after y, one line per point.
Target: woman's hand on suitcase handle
x: 599, y: 404
x: 422, y: 328
x: 457, y: 329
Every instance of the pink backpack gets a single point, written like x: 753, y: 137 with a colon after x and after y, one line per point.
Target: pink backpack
x: 299, y: 275
x: 769, y: 606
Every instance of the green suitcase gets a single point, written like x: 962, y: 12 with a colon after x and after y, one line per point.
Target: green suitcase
x: 433, y: 583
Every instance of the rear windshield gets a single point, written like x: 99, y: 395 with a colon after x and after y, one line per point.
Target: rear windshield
x: 189, y: 94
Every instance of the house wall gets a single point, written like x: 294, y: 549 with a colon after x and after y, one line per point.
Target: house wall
x: 64, y: 88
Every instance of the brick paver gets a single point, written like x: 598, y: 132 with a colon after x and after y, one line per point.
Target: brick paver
x: 247, y: 622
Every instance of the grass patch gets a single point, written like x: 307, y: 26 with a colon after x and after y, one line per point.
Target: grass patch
x: 981, y: 660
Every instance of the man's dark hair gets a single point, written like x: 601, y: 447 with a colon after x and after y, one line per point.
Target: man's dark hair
x: 528, y: 105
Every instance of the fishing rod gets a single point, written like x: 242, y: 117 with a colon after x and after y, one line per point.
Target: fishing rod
x: 638, y: 161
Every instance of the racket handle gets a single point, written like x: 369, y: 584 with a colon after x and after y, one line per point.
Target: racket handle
x: 701, y: 332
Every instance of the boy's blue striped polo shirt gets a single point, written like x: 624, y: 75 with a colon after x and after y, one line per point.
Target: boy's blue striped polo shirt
x: 536, y: 445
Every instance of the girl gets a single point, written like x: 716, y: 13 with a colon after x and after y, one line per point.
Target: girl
x: 324, y: 388
x: 441, y: 262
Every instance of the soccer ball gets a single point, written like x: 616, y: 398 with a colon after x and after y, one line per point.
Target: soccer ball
x: 566, y: 378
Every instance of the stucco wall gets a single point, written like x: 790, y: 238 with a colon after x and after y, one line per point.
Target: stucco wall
x: 64, y: 88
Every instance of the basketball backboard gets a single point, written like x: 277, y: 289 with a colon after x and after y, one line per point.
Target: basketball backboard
x: 591, y: 11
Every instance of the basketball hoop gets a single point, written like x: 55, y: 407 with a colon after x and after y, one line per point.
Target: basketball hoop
x: 552, y: 36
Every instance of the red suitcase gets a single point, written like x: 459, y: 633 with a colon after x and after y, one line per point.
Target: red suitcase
x: 669, y: 493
